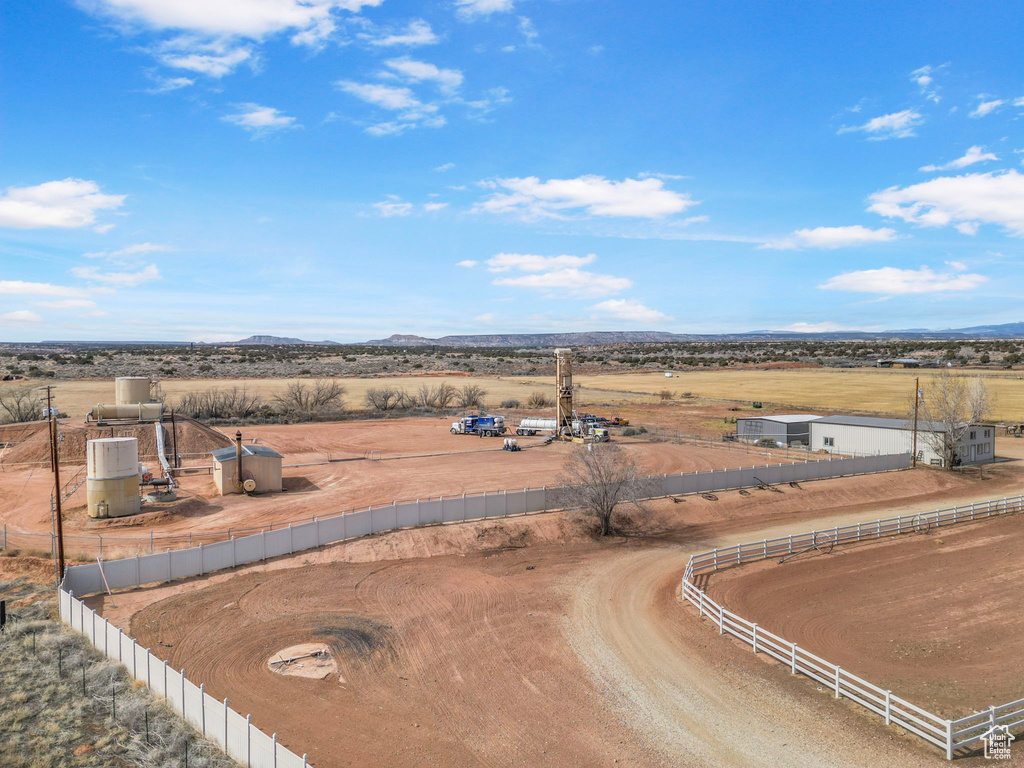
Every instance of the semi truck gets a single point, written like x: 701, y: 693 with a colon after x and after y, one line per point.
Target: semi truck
x: 484, y: 426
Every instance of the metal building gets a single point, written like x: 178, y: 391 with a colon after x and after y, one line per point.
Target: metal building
x: 855, y: 435
x: 788, y: 429
x: 260, y: 464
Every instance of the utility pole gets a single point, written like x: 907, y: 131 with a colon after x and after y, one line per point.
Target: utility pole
x: 55, y: 461
x: 917, y: 399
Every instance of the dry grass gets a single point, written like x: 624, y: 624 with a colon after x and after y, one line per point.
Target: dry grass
x: 818, y: 389
x: 859, y: 389
x: 51, y: 715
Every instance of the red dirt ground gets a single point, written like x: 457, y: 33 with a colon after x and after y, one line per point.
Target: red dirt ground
x: 527, y: 642
x: 465, y: 464
x: 934, y: 617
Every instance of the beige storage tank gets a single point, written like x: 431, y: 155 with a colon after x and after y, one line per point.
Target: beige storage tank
x: 135, y: 411
x: 112, y: 477
x: 129, y: 390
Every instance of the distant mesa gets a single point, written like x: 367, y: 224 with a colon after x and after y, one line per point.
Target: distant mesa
x: 269, y: 341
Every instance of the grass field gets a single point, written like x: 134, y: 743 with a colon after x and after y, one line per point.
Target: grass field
x: 816, y: 389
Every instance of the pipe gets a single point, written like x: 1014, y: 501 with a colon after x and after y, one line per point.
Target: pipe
x: 238, y: 458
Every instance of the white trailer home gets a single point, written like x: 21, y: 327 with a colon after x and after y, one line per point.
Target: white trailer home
x: 855, y: 435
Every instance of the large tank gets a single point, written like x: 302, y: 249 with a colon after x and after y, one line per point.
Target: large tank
x: 112, y: 477
x: 126, y: 412
x: 129, y: 390
x: 563, y: 384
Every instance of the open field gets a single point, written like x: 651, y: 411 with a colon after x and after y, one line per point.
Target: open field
x: 875, y: 390
x: 594, y: 657
x: 822, y: 389
x: 933, y: 617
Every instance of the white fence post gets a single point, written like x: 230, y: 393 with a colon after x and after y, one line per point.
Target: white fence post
x: 755, y: 637
x: 888, y: 707
x: 248, y: 741
x: 838, y: 672
x: 202, y: 706
x: 792, y: 667
x: 275, y: 750
x: 721, y: 620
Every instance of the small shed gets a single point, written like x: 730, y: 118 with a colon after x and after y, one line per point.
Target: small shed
x: 260, y: 463
x: 788, y: 429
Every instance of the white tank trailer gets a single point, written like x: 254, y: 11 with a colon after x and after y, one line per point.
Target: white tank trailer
x: 112, y: 477
x: 133, y: 402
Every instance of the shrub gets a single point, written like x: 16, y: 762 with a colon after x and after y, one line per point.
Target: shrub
x: 512, y: 403
x: 539, y: 400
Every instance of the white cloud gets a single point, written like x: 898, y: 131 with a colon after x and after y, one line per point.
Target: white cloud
x: 833, y: 237
x: 529, y: 32
x: 20, y: 317
x: 216, y: 63
x: 897, y: 125
x: 568, y: 282
x: 487, y: 317
x: 528, y: 262
x: 391, y: 208
x: 925, y: 79
x: 67, y: 304
x: 411, y: 111
x: 22, y: 288
x: 595, y: 195
x: 467, y: 263
x: 971, y: 199
x: 445, y: 167
x: 972, y: 156
x: 448, y: 80
x: 118, y: 279
x: 166, y: 84
x: 434, y: 206
x: 418, y: 32
x: 472, y: 8
x: 630, y: 310
x: 260, y: 120
x: 823, y: 327
x: 986, y: 107
x: 254, y: 19
x: 66, y: 204
x: 892, y: 281
x: 130, y: 250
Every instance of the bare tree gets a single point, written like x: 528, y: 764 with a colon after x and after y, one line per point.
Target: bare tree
x: 20, y: 404
x: 438, y: 397
x: 538, y: 400
x: 386, y: 398
x: 951, y: 404
x: 471, y: 396
x: 319, y: 397
x: 234, y: 403
x: 600, y: 477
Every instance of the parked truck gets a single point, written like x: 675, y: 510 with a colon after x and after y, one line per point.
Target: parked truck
x: 484, y: 426
x: 532, y: 425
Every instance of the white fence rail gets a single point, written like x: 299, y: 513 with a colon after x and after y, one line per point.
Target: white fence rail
x: 948, y: 735
x: 235, y: 734
x: 196, y: 561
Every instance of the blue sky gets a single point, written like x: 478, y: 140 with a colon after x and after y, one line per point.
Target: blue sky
x: 346, y: 169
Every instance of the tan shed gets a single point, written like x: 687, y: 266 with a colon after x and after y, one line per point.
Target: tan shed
x: 259, y: 463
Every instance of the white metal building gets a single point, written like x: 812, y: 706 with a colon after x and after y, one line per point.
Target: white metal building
x: 788, y: 429
x: 855, y: 435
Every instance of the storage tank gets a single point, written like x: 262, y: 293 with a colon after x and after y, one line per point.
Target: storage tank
x: 112, y: 477
x: 129, y: 390
x: 126, y: 412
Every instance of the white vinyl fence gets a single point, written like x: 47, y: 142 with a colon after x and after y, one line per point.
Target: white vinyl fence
x: 235, y: 734
x: 315, y: 532
x: 948, y: 735
x: 239, y: 738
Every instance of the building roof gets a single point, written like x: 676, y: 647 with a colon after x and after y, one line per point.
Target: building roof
x: 786, y: 418
x: 227, y: 454
x: 879, y: 423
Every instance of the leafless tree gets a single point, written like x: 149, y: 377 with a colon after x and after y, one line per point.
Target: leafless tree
x: 386, y: 398
x: 951, y: 404
x: 471, y: 396
x: 438, y: 397
x: 665, y: 394
x: 320, y: 397
x: 599, y: 477
x: 538, y: 400
x: 234, y: 403
x: 20, y: 404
